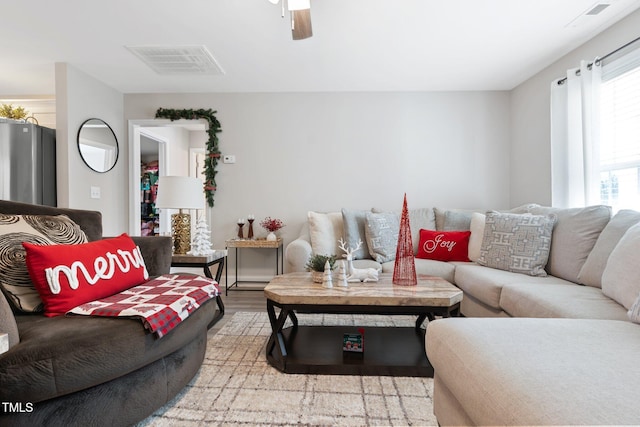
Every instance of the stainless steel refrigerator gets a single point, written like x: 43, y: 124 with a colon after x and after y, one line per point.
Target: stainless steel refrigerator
x: 27, y: 163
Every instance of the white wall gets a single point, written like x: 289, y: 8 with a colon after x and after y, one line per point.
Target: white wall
x: 530, y: 114
x: 80, y: 97
x: 323, y: 151
x: 178, y: 140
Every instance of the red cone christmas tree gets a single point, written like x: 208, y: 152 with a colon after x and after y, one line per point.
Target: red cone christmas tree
x: 404, y: 270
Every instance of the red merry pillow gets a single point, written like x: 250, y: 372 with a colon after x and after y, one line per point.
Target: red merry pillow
x: 444, y: 245
x: 66, y: 276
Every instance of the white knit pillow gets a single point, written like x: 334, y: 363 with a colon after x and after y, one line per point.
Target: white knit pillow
x: 325, y: 229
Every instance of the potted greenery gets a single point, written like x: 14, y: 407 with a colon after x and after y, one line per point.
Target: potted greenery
x: 316, y: 263
x: 11, y: 112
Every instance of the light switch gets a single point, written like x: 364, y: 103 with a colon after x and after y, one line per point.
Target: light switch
x: 95, y: 192
x: 228, y: 158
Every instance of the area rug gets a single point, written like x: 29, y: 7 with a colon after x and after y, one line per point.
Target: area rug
x: 236, y: 386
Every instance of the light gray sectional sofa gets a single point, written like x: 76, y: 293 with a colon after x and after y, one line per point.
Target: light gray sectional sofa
x: 532, y: 350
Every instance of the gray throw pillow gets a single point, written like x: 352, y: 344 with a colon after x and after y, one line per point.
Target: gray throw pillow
x: 440, y: 215
x: 454, y: 221
x: 421, y: 218
x: 457, y: 221
x: 591, y: 272
x: 574, y: 235
x: 353, y: 223
x: 517, y: 243
x: 382, y: 231
x: 36, y: 229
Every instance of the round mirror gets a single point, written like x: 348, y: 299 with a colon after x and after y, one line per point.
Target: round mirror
x: 98, y: 145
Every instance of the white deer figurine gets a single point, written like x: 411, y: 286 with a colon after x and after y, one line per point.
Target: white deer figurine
x: 357, y: 274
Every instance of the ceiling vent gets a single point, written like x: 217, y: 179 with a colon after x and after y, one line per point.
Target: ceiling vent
x: 589, y: 14
x: 175, y: 60
x: 595, y: 10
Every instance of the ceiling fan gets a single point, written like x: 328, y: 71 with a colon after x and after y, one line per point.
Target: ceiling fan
x: 300, y: 11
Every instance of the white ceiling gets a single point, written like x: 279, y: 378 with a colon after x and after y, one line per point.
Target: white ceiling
x: 357, y: 45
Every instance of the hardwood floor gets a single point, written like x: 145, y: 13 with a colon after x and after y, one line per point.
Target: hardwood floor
x: 244, y: 300
x: 241, y: 300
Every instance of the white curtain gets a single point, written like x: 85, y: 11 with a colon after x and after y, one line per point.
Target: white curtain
x: 574, y: 138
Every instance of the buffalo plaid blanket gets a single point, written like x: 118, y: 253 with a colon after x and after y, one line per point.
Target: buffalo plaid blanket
x: 161, y: 303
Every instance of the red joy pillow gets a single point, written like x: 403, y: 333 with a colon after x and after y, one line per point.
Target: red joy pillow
x: 444, y: 245
x: 66, y: 276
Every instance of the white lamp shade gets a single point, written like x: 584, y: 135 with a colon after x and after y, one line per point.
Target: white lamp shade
x: 299, y: 4
x: 180, y: 192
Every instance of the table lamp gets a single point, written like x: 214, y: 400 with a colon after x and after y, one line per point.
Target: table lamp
x: 180, y: 192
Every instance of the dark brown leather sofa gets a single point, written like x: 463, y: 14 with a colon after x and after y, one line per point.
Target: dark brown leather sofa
x: 84, y: 370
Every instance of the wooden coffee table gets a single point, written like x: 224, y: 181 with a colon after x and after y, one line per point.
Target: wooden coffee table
x: 317, y: 349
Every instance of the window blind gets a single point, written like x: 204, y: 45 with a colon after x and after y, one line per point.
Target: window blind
x: 619, y: 149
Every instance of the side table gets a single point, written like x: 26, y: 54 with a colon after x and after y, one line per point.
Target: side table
x: 254, y: 244
x: 206, y: 262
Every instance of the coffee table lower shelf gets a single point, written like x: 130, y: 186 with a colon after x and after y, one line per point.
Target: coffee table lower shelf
x: 388, y: 351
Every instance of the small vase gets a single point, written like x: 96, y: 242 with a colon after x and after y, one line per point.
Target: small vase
x: 271, y: 236
x: 316, y: 276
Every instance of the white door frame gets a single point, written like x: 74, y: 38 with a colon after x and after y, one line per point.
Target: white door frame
x: 136, y: 129
x: 144, y: 127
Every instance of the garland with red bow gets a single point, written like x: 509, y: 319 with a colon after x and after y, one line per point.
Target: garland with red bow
x: 213, y: 153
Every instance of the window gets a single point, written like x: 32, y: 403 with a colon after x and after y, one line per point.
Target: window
x: 619, y: 150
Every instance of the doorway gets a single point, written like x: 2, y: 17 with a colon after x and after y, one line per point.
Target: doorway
x: 149, y: 173
x: 172, y: 140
